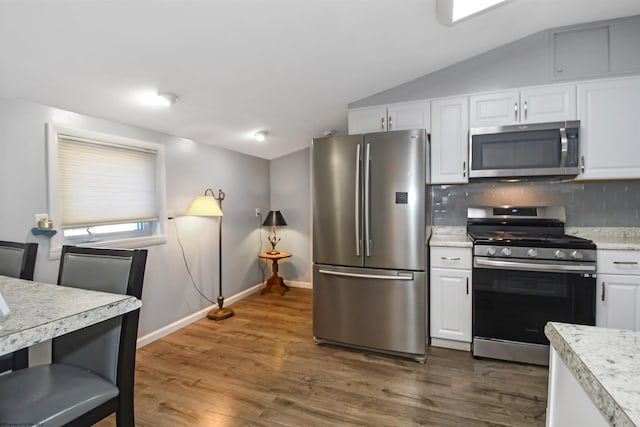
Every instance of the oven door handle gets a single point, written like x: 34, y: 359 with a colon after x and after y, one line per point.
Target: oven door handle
x: 530, y: 266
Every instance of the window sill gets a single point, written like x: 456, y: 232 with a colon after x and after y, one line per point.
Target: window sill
x: 134, y: 243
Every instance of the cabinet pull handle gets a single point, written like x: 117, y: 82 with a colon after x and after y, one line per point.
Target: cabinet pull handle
x: 467, y: 286
x: 390, y: 122
x: 582, y: 164
x: 515, y: 111
x: 525, y: 110
x: 464, y: 169
x: 625, y: 262
x: 450, y: 258
x: 602, y: 296
x: 382, y: 124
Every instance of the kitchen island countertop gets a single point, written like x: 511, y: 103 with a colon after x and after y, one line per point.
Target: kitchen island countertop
x: 606, y: 363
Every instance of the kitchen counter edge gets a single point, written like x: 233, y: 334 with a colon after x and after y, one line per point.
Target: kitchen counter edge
x: 600, y: 360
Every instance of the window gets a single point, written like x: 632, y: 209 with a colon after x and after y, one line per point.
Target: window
x: 105, y: 190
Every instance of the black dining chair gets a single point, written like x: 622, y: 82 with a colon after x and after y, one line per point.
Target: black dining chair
x: 91, y: 374
x: 17, y: 260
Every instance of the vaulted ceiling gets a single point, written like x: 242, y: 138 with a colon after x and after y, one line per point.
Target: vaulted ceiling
x: 289, y: 67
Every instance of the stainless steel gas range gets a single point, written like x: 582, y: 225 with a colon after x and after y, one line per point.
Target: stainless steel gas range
x: 527, y: 272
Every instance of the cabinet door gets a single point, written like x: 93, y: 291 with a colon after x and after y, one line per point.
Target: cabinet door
x: 494, y: 109
x: 450, y: 304
x: 608, y: 114
x: 618, y: 302
x: 367, y: 120
x: 449, y: 140
x: 548, y: 104
x: 408, y: 115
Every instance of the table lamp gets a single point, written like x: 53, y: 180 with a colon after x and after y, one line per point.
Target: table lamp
x: 274, y: 219
x: 210, y: 205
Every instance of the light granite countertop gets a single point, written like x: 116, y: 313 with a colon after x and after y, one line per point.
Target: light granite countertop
x: 41, y: 311
x: 621, y: 238
x: 606, y: 363
x: 450, y: 237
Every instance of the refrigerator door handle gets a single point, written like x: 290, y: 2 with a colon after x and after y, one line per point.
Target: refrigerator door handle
x: 367, y: 166
x: 400, y: 276
x: 357, y: 197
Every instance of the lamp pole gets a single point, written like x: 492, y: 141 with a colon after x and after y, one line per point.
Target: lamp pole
x: 221, y: 312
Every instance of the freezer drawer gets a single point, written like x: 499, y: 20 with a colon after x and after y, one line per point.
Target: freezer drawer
x: 377, y: 309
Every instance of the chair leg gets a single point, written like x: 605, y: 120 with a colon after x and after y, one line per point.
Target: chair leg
x: 21, y: 359
x: 124, y: 414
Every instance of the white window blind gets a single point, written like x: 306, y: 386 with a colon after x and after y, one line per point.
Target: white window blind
x: 102, y: 183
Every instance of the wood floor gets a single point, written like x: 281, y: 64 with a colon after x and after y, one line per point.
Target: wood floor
x: 261, y: 368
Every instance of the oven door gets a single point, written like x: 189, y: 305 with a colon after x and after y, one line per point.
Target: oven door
x: 514, y: 299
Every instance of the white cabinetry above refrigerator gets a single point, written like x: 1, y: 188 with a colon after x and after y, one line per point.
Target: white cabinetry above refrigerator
x: 383, y: 118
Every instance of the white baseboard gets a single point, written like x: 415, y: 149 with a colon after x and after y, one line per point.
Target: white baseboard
x: 181, y: 323
x: 455, y: 345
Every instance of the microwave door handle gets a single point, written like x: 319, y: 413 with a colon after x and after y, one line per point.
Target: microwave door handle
x: 564, y: 147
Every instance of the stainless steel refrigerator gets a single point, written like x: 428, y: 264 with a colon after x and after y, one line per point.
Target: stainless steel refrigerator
x: 369, y: 241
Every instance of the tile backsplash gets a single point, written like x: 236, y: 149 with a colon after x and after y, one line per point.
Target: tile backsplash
x: 588, y: 204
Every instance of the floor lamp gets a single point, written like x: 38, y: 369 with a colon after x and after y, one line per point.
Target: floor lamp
x: 210, y: 205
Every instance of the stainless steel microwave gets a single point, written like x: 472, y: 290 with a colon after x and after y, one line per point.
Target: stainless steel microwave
x: 535, y: 150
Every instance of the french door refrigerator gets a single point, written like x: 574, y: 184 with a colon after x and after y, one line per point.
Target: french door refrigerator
x: 369, y: 241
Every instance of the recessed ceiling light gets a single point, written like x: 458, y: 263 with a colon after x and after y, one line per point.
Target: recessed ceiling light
x: 167, y: 99
x: 261, y: 136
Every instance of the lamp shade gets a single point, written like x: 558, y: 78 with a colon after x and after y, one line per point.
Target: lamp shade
x: 274, y: 219
x: 204, y: 206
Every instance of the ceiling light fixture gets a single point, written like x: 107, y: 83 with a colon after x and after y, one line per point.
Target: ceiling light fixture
x: 261, y: 136
x: 451, y: 11
x: 167, y: 99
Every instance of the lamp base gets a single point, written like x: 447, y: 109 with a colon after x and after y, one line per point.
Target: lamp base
x: 273, y: 252
x: 220, y: 313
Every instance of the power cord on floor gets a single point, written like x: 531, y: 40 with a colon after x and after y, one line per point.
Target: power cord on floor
x: 186, y: 264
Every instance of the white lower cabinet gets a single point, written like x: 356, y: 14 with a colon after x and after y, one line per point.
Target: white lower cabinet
x: 450, y: 297
x: 618, y: 292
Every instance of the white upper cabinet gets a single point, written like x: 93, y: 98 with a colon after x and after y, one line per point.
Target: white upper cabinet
x: 609, y: 129
x: 529, y: 105
x: 449, y: 140
x: 398, y: 116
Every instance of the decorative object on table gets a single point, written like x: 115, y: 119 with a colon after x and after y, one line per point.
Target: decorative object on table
x: 275, y: 280
x: 210, y: 205
x: 274, y: 219
x: 44, y: 227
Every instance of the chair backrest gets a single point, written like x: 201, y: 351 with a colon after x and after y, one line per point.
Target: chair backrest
x: 18, y: 259
x: 107, y: 348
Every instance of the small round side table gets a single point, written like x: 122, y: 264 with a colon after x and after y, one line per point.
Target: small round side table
x: 275, y: 280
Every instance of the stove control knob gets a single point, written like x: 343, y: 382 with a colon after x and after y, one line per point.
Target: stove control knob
x: 560, y: 254
x: 506, y: 251
x: 576, y: 255
x: 532, y: 253
x: 491, y: 251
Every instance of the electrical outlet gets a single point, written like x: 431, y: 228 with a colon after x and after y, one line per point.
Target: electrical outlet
x: 257, y: 212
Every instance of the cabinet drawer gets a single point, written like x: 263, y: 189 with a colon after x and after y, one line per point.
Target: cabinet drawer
x: 449, y: 257
x: 618, y: 262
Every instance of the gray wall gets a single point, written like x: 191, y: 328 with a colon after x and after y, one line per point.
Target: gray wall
x: 168, y: 295
x: 291, y: 194
x: 588, y: 204
x: 524, y: 62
